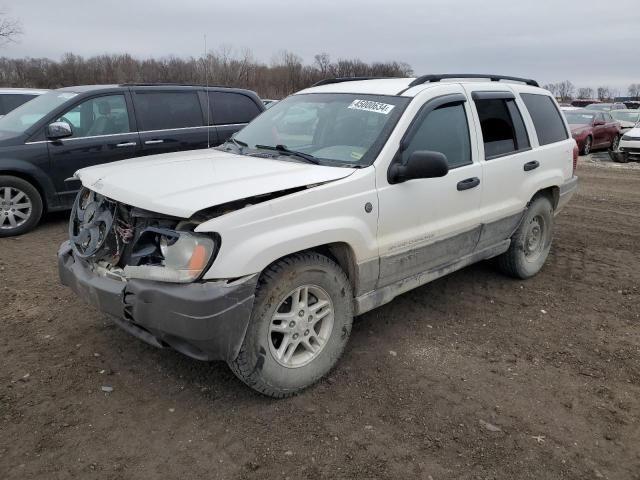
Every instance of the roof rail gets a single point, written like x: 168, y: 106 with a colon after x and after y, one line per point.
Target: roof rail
x: 160, y: 84
x: 494, y: 78
x: 328, y: 81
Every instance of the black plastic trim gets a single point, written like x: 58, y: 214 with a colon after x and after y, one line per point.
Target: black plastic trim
x: 489, y: 95
x: 329, y: 81
x: 494, y: 78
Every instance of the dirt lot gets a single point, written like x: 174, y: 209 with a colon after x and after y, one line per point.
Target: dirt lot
x: 474, y: 376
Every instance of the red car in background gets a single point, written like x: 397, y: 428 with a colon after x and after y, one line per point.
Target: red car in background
x: 592, y: 129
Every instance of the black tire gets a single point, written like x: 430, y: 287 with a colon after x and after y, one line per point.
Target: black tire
x: 522, y: 260
x: 256, y: 364
x: 615, y: 143
x: 23, y: 225
x: 586, y: 146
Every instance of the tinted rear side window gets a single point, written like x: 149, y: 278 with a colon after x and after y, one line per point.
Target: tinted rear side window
x: 503, y: 131
x: 167, y: 110
x: 229, y: 108
x: 10, y: 102
x: 546, y: 118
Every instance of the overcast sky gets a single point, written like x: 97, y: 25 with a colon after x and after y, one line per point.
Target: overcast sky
x: 589, y: 42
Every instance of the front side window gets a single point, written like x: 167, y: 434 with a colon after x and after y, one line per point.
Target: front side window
x: 547, y: 120
x: 168, y: 110
x: 503, y: 130
x: 336, y: 128
x: 105, y: 115
x: 444, y: 130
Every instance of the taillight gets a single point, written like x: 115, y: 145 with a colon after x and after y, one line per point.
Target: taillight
x: 576, y: 152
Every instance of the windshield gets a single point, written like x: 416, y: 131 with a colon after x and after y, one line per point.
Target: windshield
x: 335, y: 128
x: 626, y: 116
x: 599, y: 106
x: 579, y: 118
x: 26, y: 115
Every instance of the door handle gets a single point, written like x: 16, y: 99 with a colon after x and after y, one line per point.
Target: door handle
x: 531, y: 165
x: 126, y: 144
x: 468, y: 183
x: 153, y: 142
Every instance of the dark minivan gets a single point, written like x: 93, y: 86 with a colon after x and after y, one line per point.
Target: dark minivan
x: 43, y: 142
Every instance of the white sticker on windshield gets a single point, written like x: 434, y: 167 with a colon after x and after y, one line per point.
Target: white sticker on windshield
x: 371, y: 106
x: 67, y: 95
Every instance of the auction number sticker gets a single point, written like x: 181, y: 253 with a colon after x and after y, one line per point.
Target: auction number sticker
x: 371, y: 106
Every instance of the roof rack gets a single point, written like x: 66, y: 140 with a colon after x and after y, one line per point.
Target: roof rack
x: 161, y: 84
x: 328, y: 81
x: 494, y: 78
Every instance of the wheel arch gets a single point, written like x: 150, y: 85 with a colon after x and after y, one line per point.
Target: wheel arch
x: 552, y: 193
x: 33, y: 180
x: 342, y: 254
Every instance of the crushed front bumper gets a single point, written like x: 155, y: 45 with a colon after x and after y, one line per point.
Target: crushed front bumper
x: 205, y: 320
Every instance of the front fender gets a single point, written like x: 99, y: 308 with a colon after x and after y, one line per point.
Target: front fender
x: 35, y: 173
x: 256, y: 236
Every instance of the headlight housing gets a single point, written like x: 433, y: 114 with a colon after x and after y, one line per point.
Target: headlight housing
x: 186, y: 256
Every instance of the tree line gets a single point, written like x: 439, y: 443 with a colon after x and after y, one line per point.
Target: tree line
x: 285, y: 74
x: 566, y: 91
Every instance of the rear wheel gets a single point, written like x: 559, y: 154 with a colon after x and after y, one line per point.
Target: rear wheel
x: 586, y: 147
x: 300, y: 325
x: 20, y: 206
x: 531, y: 243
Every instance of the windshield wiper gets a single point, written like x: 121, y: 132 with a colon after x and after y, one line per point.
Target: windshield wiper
x: 239, y: 144
x: 284, y: 150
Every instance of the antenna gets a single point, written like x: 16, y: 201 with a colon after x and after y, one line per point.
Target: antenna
x: 206, y: 78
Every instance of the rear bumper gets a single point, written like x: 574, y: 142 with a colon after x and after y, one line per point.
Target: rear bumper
x: 206, y: 321
x: 567, y: 189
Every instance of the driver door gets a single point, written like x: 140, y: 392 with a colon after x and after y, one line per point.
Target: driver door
x: 428, y: 223
x: 103, y: 131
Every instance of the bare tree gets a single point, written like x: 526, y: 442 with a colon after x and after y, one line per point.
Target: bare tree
x: 604, y: 93
x: 585, y: 92
x: 10, y: 29
x: 565, y: 90
x: 552, y: 87
x: 322, y: 62
x: 634, y: 90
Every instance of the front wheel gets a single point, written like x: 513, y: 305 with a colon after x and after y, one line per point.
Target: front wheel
x: 531, y: 243
x: 20, y: 206
x: 586, y: 147
x: 299, y: 327
x: 615, y: 143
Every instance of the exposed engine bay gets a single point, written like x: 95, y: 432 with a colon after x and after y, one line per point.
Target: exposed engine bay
x: 122, y: 241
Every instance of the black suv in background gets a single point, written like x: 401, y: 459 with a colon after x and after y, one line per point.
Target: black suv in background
x: 43, y: 142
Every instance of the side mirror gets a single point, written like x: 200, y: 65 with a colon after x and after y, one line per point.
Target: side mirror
x: 421, y: 164
x: 57, y: 130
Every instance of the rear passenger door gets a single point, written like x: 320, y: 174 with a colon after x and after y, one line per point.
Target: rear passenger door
x: 506, y: 155
x: 230, y: 111
x: 170, y: 120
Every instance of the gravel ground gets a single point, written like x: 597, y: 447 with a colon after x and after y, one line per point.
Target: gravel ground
x: 475, y: 376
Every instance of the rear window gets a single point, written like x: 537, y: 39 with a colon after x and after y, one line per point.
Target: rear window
x: 168, y: 110
x: 546, y: 118
x: 230, y: 108
x: 11, y: 101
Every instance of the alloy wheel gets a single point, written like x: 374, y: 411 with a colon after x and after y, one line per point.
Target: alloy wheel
x: 15, y: 208
x: 301, y: 326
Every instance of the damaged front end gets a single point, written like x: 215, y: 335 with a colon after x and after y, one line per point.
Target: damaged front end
x: 144, y: 270
x: 127, y: 242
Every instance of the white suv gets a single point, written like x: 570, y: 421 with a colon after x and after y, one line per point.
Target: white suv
x: 329, y: 204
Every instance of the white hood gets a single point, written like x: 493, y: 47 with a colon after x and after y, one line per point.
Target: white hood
x: 634, y: 132
x: 183, y: 183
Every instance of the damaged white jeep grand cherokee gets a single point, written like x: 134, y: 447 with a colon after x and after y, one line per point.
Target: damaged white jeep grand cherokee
x: 329, y: 204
